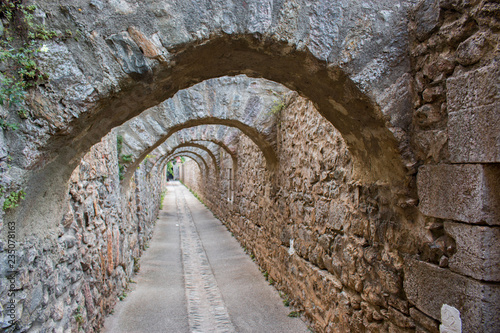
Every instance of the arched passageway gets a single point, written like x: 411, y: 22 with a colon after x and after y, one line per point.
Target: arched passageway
x: 336, y: 222
x: 165, y: 158
x: 192, y: 153
x: 203, y: 292
x: 199, y: 162
x: 232, y: 102
x: 195, y: 147
x: 337, y: 98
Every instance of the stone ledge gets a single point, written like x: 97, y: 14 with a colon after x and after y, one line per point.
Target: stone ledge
x: 428, y: 287
x: 467, y: 192
x: 476, y: 256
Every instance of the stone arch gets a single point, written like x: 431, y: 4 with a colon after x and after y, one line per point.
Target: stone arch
x: 206, y: 149
x: 164, y: 151
x: 222, y: 136
x: 335, y: 95
x: 190, y: 152
x: 238, y: 102
x: 141, y: 73
x: 193, y: 143
x: 191, y: 156
x: 264, y: 145
x: 219, y: 143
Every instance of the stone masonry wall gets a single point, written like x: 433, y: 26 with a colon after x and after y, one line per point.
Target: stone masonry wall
x: 455, y: 134
x: 346, y: 270
x: 354, y: 256
x: 71, y: 280
x: 356, y: 249
x: 191, y: 176
x: 364, y: 260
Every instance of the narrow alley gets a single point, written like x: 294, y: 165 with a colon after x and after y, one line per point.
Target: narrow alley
x: 196, y: 278
x: 351, y: 147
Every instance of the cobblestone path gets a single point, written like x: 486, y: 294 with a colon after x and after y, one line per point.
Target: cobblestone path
x: 196, y: 278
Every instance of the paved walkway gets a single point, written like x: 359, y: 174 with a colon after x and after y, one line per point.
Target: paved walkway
x: 196, y: 278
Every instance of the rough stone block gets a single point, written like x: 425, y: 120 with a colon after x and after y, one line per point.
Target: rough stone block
x: 472, y: 89
x: 428, y: 287
x: 426, y: 15
x: 478, y: 250
x: 128, y: 54
x: 474, y: 134
x: 474, y: 115
x: 472, y: 50
x: 398, y: 97
x: 428, y: 115
x: 468, y: 193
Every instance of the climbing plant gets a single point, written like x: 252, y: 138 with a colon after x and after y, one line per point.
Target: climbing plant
x: 126, y: 158
x: 19, y: 47
x: 122, y: 159
x: 278, y: 105
x: 162, y: 196
x: 276, y: 108
x: 12, y: 199
x: 170, y: 169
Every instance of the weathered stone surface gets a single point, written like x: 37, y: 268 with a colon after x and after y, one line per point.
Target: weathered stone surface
x: 474, y: 134
x: 436, y: 67
x: 78, y: 273
x: 128, y: 54
x: 148, y: 48
x: 428, y: 287
x: 428, y: 115
x: 421, y: 319
x: 431, y: 145
x: 472, y: 50
x: 426, y: 18
x: 478, y: 250
x: 473, y: 107
x: 466, y: 193
x: 487, y: 14
x: 432, y: 94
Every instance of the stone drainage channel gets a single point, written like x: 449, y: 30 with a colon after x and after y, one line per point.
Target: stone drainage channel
x: 206, y: 309
x: 196, y: 278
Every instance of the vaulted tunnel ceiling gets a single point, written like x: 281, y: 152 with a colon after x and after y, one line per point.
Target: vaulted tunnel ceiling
x: 233, y: 103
